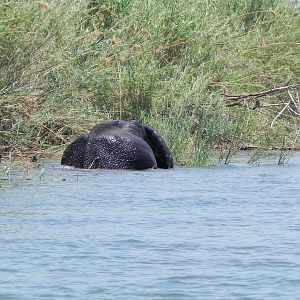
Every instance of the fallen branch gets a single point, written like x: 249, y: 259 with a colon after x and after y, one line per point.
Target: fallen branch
x: 261, y: 94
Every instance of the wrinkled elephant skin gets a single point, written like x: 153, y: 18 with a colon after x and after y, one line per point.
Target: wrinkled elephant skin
x: 119, y: 145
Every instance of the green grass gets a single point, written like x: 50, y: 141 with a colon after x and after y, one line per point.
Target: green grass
x: 65, y: 65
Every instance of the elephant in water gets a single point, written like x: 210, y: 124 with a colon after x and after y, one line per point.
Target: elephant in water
x: 119, y: 145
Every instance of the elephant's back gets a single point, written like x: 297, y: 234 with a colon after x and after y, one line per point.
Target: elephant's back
x: 112, y: 151
x: 118, y: 128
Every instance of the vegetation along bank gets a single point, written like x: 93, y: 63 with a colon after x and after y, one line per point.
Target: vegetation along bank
x: 211, y: 76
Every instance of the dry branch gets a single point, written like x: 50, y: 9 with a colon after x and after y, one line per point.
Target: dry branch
x: 260, y: 94
x: 280, y: 113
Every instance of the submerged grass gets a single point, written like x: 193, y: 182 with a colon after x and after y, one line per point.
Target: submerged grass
x: 65, y: 65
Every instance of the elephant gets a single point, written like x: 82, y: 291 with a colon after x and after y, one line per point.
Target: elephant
x: 119, y: 144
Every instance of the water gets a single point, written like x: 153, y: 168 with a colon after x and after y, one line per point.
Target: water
x: 229, y: 232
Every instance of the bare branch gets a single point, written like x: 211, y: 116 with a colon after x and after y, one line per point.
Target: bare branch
x: 261, y: 94
x: 280, y: 113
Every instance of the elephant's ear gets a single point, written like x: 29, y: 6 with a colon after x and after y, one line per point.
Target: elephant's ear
x: 161, y: 151
x: 74, y: 153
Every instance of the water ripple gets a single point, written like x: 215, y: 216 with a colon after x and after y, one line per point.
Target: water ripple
x: 210, y: 233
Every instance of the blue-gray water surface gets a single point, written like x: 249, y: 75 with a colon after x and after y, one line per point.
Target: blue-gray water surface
x: 227, y: 232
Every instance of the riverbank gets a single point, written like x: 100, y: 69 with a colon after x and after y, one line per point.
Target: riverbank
x: 197, y: 72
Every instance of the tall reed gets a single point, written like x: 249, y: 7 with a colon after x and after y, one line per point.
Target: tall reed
x: 65, y: 65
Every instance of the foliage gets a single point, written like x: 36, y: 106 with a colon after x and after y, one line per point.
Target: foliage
x: 65, y: 65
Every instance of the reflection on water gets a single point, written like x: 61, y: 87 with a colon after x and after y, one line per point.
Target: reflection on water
x: 229, y: 232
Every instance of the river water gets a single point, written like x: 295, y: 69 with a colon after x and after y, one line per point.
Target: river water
x: 226, y: 232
